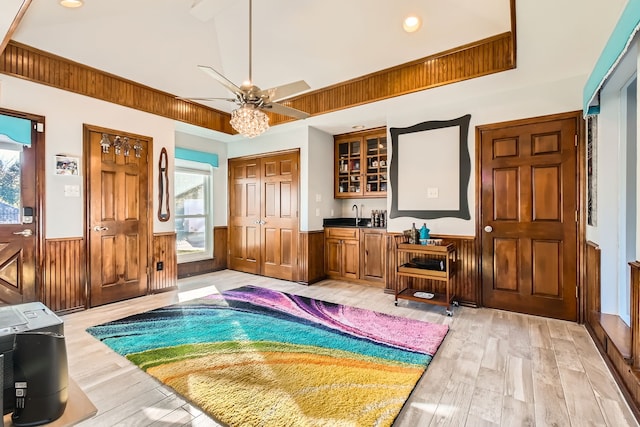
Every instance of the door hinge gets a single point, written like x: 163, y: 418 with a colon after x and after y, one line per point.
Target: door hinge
x: 575, y: 139
x: 577, y: 215
x: 576, y: 292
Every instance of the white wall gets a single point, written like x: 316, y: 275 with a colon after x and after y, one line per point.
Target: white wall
x: 609, y: 233
x: 320, y: 180
x: 65, y: 113
x: 488, y: 100
x: 298, y: 137
x: 556, y: 51
x: 220, y: 178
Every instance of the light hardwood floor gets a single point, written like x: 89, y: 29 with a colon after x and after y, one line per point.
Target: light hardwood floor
x: 494, y: 368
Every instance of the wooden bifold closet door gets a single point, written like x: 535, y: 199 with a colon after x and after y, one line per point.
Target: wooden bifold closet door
x: 263, y: 215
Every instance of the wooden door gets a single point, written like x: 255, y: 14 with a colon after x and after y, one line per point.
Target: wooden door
x: 279, y: 220
x: 529, y: 216
x: 244, y: 215
x: 263, y: 215
x: 118, y: 216
x: 20, y: 216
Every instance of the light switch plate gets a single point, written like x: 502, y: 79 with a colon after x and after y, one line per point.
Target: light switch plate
x: 71, y: 191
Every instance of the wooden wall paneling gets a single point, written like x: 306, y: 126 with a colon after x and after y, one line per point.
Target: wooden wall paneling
x: 390, y: 273
x: 466, y: 282
x: 592, y: 288
x: 65, y: 287
x: 635, y: 314
x: 164, y: 250
x: 310, y: 257
x: 618, y: 344
x: 219, y: 261
x: 220, y: 238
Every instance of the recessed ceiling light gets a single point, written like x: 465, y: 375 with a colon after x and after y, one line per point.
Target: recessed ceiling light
x: 411, y: 24
x: 71, y: 3
x: 357, y: 127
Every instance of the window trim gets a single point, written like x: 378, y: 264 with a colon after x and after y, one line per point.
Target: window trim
x: 189, y: 166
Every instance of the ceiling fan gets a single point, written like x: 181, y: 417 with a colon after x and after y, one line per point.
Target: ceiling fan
x: 250, y: 97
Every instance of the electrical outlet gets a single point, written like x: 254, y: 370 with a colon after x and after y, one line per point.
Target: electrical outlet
x: 159, y: 266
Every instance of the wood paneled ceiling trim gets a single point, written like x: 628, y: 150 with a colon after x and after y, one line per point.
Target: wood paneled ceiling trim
x: 492, y: 55
x: 38, y: 66
x: 488, y: 56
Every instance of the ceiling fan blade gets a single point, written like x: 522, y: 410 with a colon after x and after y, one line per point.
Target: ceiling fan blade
x: 190, y: 98
x: 287, y: 111
x: 285, y: 91
x: 221, y: 79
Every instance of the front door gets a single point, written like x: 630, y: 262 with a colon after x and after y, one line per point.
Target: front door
x: 20, y: 214
x: 118, y: 208
x: 529, y: 216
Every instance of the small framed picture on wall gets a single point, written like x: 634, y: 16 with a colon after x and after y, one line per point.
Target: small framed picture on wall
x: 67, y: 165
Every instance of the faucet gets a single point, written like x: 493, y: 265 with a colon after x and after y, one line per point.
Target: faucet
x: 357, y: 216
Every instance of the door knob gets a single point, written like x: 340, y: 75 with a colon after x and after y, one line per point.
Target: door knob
x: 488, y: 229
x: 99, y: 228
x: 25, y: 233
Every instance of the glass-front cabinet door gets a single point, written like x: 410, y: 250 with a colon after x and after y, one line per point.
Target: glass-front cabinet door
x: 376, y: 174
x: 349, y: 171
x: 361, y: 164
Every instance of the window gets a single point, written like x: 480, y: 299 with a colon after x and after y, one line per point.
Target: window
x: 15, y: 133
x: 194, y: 210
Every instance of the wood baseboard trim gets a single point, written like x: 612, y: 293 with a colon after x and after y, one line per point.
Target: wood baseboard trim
x: 622, y: 384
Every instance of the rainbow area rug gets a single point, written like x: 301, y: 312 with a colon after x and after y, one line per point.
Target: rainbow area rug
x: 258, y: 357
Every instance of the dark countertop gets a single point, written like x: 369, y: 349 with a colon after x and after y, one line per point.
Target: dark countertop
x: 349, y: 223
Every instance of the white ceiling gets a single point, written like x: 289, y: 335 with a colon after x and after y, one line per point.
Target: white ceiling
x: 159, y: 43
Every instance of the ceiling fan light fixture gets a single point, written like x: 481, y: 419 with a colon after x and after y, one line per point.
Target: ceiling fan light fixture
x: 249, y: 121
x: 411, y: 23
x: 71, y: 3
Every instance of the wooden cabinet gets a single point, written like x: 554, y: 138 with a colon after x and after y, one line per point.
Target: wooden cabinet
x: 411, y: 262
x: 372, y: 254
x: 355, y: 254
x: 361, y: 164
x: 342, y: 249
